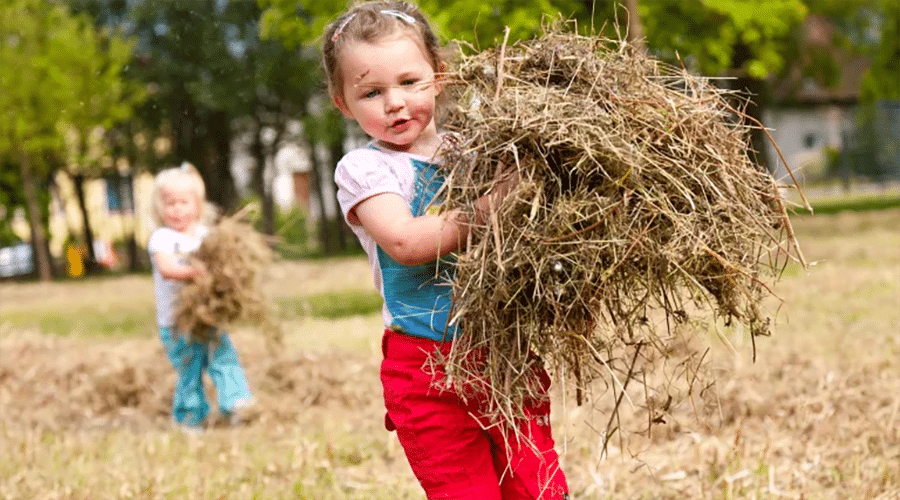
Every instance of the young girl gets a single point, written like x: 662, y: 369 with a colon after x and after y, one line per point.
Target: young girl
x: 383, y: 68
x: 180, y: 204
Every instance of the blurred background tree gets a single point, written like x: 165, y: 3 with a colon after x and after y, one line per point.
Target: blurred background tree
x: 60, y: 74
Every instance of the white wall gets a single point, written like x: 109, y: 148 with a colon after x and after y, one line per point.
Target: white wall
x: 804, y: 135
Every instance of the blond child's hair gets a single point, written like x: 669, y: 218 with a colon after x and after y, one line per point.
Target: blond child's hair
x: 369, y: 22
x: 185, y: 175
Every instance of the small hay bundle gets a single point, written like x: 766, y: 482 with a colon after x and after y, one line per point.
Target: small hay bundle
x: 234, y: 256
x: 637, y: 206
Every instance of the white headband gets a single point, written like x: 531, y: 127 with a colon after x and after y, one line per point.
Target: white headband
x: 403, y: 16
x: 400, y: 15
x: 343, y: 25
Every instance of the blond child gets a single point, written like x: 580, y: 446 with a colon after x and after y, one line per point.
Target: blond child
x: 382, y: 62
x: 180, y: 209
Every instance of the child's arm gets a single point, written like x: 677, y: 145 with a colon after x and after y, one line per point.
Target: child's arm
x: 418, y: 240
x: 170, y: 267
x: 410, y: 240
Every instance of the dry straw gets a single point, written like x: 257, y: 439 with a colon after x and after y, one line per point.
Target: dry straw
x: 234, y: 256
x: 639, y: 211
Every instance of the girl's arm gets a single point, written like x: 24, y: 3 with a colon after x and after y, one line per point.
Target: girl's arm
x: 407, y: 239
x: 170, y: 267
x: 418, y: 240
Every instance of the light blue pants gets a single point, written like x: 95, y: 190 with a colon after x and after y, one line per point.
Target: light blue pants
x: 190, y: 359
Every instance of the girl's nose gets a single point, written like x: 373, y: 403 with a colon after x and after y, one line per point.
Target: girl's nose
x: 393, y: 100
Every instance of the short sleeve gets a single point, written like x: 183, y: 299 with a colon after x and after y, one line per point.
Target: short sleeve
x: 361, y: 174
x: 162, y: 240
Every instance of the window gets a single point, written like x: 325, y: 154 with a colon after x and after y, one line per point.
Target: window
x: 118, y: 194
x: 810, y: 140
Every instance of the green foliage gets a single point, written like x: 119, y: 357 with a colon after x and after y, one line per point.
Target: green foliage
x: 291, y: 229
x: 740, y: 37
x: 59, y: 71
x: 483, y: 24
x: 59, y: 74
x: 334, y: 305
x: 882, y: 79
x: 296, y: 23
x: 473, y: 21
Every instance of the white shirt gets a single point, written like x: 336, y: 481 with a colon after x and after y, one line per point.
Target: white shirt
x: 181, y: 245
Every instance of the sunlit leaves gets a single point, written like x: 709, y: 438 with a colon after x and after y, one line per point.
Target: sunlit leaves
x: 58, y: 70
x: 745, y: 37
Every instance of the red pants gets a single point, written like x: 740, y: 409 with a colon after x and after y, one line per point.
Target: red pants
x: 450, y: 452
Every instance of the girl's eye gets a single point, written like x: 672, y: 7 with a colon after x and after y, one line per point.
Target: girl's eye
x: 370, y: 94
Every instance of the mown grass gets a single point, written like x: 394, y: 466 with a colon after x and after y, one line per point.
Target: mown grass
x: 816, y: 417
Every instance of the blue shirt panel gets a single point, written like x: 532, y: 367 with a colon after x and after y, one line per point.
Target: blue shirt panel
x: 419, y: 298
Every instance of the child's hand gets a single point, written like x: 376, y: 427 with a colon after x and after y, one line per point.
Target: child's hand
x: 199, y: 270
x: 506, y: 178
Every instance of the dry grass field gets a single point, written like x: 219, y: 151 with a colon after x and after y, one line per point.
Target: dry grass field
x: 85, y: 390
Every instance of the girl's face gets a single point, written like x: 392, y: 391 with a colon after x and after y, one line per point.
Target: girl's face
x: 390, y: 90
x: 180, y: 208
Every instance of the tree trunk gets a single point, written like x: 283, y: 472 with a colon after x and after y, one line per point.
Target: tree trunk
x: 90, y: 261
x: 758, y: 94
x: 635, y: 27
x: 184, y: 124
x: 220, y: 183
x: 38, y: 234
x: 325, y: 241
x: 336, y: 152
x: 263, y: 189
x: 132, y: 154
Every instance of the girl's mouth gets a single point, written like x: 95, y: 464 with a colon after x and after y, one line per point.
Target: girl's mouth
x: 400, y: 124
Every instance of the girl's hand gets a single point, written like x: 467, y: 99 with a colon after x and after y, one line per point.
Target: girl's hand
x: 506, y: 178
x: 199, y: 269
x: 171, y: 267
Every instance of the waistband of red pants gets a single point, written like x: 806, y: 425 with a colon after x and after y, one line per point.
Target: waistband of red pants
x: 411, y: 344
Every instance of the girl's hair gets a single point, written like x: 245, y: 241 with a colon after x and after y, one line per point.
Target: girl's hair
x: 369, y: 22
x: 185, y: 175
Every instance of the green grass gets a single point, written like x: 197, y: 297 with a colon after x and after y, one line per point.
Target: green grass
x: 333, y: 305
x: 864, y: 203
x: 116, y: 322
x: 91, y: 322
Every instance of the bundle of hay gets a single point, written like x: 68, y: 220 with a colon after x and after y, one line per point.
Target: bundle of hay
x: 638, y: 210
x: 234, y: 256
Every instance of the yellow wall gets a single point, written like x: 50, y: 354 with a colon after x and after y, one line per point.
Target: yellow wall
x: 65, y: 215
